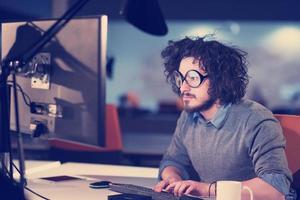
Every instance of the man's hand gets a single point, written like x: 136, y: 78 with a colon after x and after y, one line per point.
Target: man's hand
x: 169, y: 175
x: 188, y: 187
x: 164, y: 183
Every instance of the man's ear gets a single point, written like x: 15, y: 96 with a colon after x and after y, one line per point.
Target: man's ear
x: 203, y: 70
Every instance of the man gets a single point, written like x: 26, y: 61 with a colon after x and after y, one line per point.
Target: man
x: 219, y: 134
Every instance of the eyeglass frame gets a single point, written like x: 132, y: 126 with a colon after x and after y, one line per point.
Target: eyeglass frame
x: 183, y: 78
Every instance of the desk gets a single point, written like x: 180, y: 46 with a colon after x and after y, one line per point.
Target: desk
x: 79, y: 189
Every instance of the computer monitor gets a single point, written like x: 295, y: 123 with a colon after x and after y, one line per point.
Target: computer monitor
x: 67, y: 89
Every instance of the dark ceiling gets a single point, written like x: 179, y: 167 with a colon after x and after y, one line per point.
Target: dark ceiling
x: 187, y: 10
x: 211, y: 9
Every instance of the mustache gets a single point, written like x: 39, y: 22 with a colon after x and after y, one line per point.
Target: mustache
x: 186, y: 94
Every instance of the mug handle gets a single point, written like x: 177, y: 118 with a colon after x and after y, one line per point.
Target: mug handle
x: 249, y: 190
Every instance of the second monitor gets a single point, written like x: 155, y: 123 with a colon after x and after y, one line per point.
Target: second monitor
x: 66, y: 91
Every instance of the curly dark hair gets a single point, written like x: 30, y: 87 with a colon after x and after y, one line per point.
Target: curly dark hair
x: 226, y: 66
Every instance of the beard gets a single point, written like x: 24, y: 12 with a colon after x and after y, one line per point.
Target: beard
x: 200, y: 108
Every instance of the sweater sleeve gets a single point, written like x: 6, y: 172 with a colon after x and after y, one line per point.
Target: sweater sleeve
x: 176, y: 154
x: 268, y: 155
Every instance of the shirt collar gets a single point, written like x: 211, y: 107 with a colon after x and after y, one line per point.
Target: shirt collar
x: 218, y: 120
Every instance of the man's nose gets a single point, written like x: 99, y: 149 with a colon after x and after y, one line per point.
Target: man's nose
x: 184, y: 87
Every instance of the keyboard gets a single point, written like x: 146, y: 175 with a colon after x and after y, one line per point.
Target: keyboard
x: 139, y: 190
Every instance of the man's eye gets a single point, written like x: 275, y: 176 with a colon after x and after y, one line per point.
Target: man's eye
x: 193, y: 78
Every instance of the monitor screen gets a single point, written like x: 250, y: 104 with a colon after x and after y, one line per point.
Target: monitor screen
x: 64, y: 83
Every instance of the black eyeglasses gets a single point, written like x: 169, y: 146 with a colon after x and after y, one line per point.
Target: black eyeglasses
x: 193, y: 78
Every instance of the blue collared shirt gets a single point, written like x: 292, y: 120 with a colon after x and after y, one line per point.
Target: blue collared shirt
x: 217, y: 121
x: 241, y: 142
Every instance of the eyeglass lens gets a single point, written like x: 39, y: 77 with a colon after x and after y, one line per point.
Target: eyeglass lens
x: 193, y: 78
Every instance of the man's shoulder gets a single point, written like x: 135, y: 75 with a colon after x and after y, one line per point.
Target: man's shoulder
x: 250, y: 115
x: 247, y: 108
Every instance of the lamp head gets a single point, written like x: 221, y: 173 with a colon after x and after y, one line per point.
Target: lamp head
x: 146, y: 15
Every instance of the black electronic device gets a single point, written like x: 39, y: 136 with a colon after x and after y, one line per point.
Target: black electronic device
x: 64, y: 80
x: 61, y: 178
x: 100, y: 184
x: 128, y: 197
x: 140, y: 190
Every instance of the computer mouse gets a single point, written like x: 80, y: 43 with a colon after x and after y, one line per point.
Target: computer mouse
x: 100, y: 184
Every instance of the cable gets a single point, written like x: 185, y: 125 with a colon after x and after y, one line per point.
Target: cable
x: 4, y: 168
x: 16, y: 168
x: 25, y: 96
x: 30, y: 190
x: 35, y: 193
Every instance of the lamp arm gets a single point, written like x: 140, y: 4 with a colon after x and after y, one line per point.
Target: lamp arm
x: 16, y: 64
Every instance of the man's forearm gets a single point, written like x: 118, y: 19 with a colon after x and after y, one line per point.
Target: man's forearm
x: 171, y: 173
x: 261, y: 190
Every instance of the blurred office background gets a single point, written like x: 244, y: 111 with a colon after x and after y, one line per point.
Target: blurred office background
x: 268, y: 30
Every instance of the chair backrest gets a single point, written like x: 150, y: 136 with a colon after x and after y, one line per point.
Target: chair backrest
x: 291, y: 129
x: 113, y: 130
x: 113, y: 139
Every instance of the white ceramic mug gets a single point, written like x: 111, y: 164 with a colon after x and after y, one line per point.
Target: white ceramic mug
x: 231, y: 190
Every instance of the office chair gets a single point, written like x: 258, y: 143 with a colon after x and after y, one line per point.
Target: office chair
x: 291, y: 129
x: 66, y: 151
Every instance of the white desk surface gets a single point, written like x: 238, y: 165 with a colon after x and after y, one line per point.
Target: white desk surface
x: 79, y: 189
x: 35, y: 166
x: 98, y: 169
